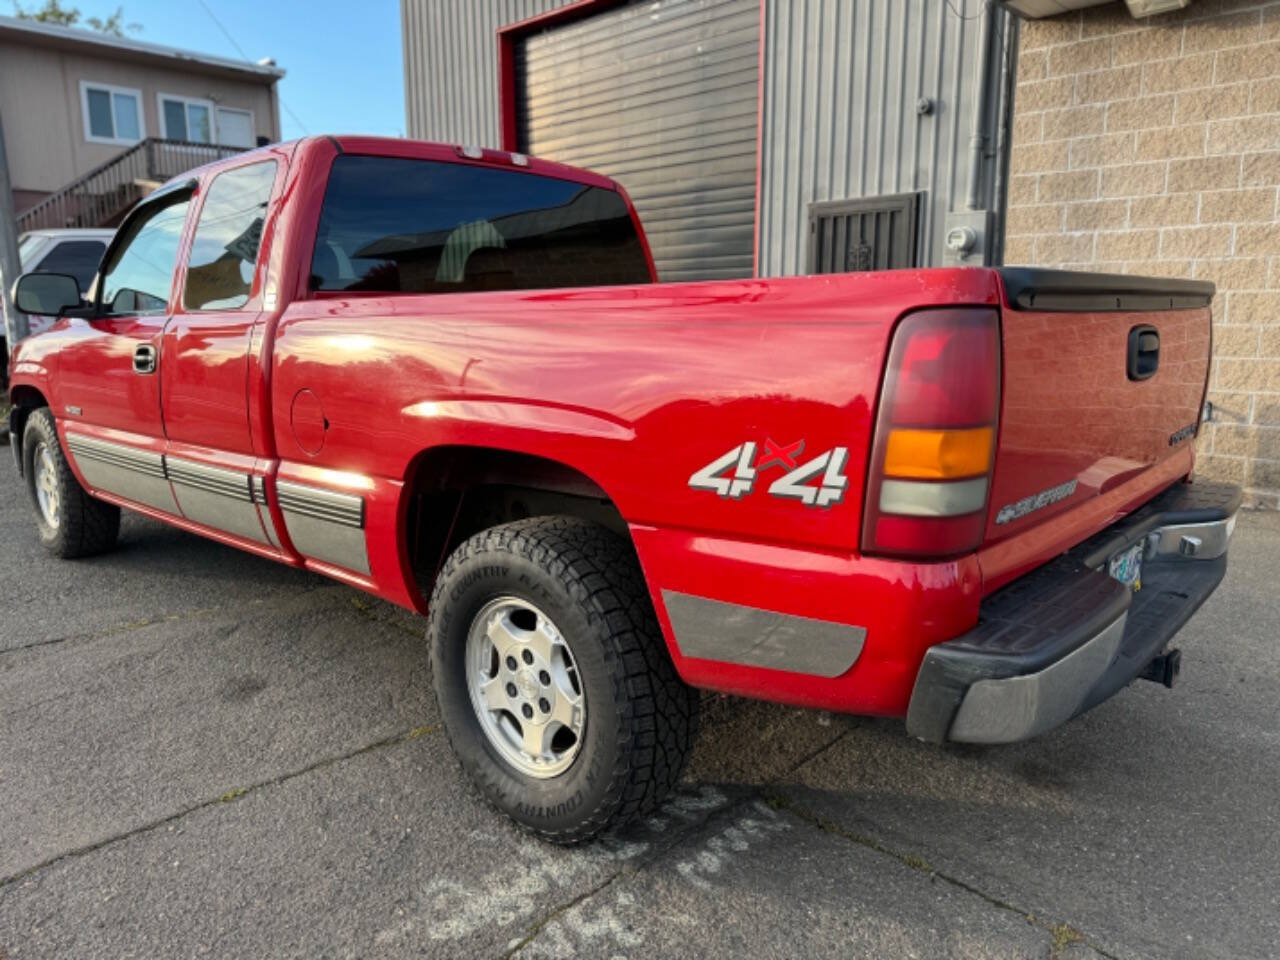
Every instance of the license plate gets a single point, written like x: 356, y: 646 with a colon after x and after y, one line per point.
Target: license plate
x: 1127, y: 566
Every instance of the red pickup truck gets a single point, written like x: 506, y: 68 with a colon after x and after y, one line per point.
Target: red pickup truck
x: 446, y: 376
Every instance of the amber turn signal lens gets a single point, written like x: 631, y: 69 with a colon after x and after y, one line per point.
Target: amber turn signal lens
x: 939, y: 454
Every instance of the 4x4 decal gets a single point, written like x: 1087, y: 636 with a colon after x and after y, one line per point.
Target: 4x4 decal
x: 733, y: 474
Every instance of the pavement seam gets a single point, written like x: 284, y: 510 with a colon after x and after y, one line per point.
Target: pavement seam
x: 361, y: 606
x: 230, y: 796
x: 628, y: 870
x: 1062, y: 934
x: 121, y: 629
x: 633, y: 867
x: 542, y: 923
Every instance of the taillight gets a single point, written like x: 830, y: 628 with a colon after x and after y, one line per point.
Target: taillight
x: 935, y: 436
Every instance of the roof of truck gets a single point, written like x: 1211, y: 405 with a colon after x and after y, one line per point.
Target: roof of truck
x: 463, y: 153
x: 413, y: 150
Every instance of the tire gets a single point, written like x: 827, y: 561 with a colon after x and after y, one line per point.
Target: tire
x: 637, y: 717
x: 78, y: 525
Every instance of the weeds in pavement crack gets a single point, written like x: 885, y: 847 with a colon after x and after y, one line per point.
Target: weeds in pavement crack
x: 1062, y: 934
x: 368, y: 610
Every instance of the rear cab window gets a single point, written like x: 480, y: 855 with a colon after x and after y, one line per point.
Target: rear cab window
x: 393, y: 225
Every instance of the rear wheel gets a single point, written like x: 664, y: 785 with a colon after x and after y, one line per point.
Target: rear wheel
x: 557, y: 692
x: 70, y: 523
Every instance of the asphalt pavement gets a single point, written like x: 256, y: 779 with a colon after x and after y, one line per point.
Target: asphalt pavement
x: 206, y: 754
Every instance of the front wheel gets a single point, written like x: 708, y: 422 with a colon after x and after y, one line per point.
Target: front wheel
x: 557, y: 692
x: 70, y: 523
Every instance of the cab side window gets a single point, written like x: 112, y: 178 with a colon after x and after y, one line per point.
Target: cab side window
x: 224, y: 252
x: 139, y: 274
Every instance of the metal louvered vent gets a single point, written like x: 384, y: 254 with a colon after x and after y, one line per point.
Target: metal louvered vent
x: 870, y: 233
x: 663, y: 98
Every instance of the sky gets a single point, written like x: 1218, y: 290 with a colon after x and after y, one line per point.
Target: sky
x: 343, y: 58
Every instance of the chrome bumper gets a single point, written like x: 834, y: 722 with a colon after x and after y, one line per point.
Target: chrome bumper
x: 1067, y: 636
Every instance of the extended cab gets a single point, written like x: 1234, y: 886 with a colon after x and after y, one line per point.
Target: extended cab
x: 446, y: 376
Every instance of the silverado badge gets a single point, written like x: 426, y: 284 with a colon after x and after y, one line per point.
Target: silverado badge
x: 1037, y: 501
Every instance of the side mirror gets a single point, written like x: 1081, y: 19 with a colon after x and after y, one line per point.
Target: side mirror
x: 46, y: 294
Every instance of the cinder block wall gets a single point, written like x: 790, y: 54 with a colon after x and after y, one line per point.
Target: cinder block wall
x: 1153, y: 146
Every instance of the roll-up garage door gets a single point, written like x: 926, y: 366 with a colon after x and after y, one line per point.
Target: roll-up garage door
x: 662, y: 97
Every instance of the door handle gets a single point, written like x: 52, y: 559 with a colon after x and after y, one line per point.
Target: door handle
x: 144, y: 358
x: 1144, y: 352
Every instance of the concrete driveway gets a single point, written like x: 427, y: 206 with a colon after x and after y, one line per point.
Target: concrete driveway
x: 205, y: 754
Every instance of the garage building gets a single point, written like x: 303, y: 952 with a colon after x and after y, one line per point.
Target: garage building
x: 757, y: 137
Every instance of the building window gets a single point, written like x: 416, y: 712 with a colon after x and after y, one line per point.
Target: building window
x: 111, y: 114
x: 199, y: 121
x: 184, y: 118
x: 235, y: 127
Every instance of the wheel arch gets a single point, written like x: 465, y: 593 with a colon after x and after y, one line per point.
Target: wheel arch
x: 453, y: 491
x: 27, y: 397
x: 24, y: 398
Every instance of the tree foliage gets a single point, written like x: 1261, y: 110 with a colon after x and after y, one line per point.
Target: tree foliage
x: 54, y: 12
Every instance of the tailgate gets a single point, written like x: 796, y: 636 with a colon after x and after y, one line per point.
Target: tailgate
x: 1104, y: 379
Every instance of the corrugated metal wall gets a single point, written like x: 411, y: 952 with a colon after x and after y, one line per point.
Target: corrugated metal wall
x: 842, y: 80
x: 841, y: 84
x: 451, y: 65
x: 662, y: 97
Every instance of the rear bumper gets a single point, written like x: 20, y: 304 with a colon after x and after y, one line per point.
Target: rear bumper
x: 1067, y: 636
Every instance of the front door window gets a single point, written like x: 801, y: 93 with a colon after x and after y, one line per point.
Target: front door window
x: 139, y: 274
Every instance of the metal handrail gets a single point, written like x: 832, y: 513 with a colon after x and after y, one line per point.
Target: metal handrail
x: 97, y: 197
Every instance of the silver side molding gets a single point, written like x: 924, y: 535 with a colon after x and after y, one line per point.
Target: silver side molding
x: 325, y: 525
x: 215, y: 497
x: 258, y: 492
x: 733, y: 633
x: 126, y: 471
x: 226, y: 483
x: 116, y: 454
x: 344, y: 508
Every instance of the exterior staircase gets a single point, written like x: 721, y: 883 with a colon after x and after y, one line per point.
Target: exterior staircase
x: 102, y: 196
